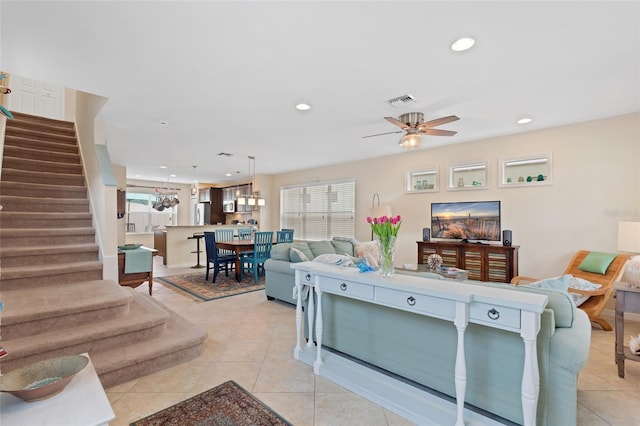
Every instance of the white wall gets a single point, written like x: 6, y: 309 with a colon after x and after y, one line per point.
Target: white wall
x: 595, y: 186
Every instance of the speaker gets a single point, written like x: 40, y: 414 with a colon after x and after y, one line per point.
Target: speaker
x: 426, y: 234
x: 506, y: 237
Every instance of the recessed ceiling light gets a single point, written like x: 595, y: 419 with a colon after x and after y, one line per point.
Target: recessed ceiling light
x: 138, y: 175
x: 463, y: 44
x: 163, y: 167
x: 524, y: 120
x: 172, y: 175
x: 227, y: 174
x: 303, y: 107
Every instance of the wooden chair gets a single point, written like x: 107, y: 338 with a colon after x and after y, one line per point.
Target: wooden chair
x: 244, y: 233
x: 263, y: 241
x: 219, y: 262
x: 284, y: 236
x: 224, y: 234
x: 598, y: 298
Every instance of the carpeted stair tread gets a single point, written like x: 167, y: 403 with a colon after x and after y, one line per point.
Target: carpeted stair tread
x: 23, y: 141
x: 44, y: 190
x: 24, y: 119
x: 49, y: 232
x: 46, y: 232
x: 46, y: 220
x: 45, y: 270
x: 39, y: 154
x: 153, y: 355
x: 6, y: 252
x: 36, y: 310
x: 144, y: 321
x: 35, y: 165
x: 37, y: 255
x: 14, y: 203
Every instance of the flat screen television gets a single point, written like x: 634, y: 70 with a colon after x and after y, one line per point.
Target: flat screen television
x: 470, y: 220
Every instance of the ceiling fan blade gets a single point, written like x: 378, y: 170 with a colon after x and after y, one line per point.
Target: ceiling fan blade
x: 380, y: 134
x: 438, y: 122
x: 397, y: 122
x: 437, y: 132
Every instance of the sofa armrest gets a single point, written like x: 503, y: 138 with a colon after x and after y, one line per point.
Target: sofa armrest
x: 570, y: 346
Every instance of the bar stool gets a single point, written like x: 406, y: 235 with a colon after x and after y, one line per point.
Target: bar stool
x: 197, y: 237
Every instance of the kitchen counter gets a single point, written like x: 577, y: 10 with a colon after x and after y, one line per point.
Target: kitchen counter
x: 178, y: 248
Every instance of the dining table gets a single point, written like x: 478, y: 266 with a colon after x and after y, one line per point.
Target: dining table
x: 237, y: 246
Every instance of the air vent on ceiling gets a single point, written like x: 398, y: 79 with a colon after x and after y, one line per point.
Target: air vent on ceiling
x: 401, y: 100
x: 225, y: 154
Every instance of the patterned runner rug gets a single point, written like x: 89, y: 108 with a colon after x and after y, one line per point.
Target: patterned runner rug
x: 194, y: 283
x: 228, y: 404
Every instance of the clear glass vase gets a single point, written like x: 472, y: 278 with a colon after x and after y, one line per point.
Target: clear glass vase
x: 387, y: 250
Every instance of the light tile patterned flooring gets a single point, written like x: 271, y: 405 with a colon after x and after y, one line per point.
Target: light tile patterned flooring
x: 251, y: 341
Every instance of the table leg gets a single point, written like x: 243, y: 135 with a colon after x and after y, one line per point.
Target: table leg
x: 619, y: 332
x: 238, y: 265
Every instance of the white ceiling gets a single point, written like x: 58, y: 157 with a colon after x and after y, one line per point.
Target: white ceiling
x: 225, y: 76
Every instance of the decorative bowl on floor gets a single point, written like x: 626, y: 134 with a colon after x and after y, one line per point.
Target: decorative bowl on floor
x: 43, y: 379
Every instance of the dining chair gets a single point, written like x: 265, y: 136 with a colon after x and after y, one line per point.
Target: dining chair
x: 263, y: 241
x: 224, y: 234
x: 284, y: 236
x: 213, y: 257
x: 244, y: 233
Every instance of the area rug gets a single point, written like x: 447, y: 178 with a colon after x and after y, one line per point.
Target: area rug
x: 228, y: 404
x: 195, y: 284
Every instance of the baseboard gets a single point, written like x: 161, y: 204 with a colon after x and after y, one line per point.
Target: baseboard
x: 408, y: 401
x: 632, y: 316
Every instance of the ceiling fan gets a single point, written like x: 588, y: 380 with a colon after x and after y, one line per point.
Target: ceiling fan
x: 414, y: 125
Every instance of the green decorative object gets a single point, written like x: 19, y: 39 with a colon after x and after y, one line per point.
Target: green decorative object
x: 540, y: 178
x: 6, y: 112
x: 529, y: 179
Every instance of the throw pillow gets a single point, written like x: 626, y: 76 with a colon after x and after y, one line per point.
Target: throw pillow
x: 335, y: 259
x: 321, y: 247
x: 368, y: 250
x: 342, y: 246
x: 281, y: 252
x: 304, y: 248
x: 557, y: 283
x: 296, y: 255
x: 582, y: 284
x: 597, y: 262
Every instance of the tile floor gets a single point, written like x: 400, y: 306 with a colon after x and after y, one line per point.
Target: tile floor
x: 251, y: 341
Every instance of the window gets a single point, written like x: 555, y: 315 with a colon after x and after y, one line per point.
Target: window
x: 319, y: 211
x: 142, y: 217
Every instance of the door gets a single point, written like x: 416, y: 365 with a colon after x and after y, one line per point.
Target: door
x: 37, y: 98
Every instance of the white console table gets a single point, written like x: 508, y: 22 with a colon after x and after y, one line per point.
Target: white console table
x: 82, y: 402
x: 453, y: 301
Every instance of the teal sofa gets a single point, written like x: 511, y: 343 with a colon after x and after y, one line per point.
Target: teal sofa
x: 279, y: 277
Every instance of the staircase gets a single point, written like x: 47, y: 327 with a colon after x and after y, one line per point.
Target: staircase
x: 55, y: 301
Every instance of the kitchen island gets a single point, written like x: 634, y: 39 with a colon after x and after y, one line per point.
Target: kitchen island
x: 179, y: 250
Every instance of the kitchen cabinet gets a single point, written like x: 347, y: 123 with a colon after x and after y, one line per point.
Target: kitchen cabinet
x: 213, y: 196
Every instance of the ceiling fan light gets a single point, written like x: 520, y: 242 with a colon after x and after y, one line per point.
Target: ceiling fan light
x: 252, y: 201
x: 462, y: 44
x: 241, y: 201
x: 261, y: 202
x: 410, y: 140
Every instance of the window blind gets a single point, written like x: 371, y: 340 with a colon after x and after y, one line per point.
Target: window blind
x: 319, y: 211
